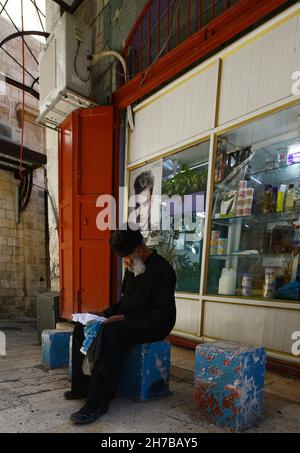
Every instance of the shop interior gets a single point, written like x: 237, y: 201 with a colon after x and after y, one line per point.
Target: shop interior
x: 185, y: 173
x: 255, y: 220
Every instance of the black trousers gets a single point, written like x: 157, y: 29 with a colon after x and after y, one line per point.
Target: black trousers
x: 113, y: 340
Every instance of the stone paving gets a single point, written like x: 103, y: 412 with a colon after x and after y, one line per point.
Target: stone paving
x: 31, y: 399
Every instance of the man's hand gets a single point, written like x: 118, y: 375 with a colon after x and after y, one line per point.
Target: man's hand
x: 114, y: 318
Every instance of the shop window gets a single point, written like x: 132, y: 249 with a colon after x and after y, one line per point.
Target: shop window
x: 168, y: 202
x: 255, y: 222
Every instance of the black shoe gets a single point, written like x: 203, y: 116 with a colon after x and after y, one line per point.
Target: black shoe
x: 88, y: 414
x: 69, y: 395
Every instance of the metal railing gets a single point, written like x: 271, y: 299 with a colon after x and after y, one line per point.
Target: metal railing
x: 164, y: 24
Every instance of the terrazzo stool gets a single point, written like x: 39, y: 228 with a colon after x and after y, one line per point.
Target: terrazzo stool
x: 229, y: 382
x: 55, y: 348
x: 146, y: 371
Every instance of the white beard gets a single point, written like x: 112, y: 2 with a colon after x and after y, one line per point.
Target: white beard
x: 138, y: 267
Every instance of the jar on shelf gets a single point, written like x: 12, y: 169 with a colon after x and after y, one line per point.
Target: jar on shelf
x: 269, y: 289
x: 247, y: 285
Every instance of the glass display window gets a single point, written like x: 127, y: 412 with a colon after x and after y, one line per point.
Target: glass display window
x: 168, y: 203
x: 254, y: 244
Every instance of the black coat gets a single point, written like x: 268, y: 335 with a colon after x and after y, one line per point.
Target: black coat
x: 148, y: 301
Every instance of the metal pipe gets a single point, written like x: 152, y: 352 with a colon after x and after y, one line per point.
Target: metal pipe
x: 24, y: 33
x: 111, y: 53
x: 29, y: 50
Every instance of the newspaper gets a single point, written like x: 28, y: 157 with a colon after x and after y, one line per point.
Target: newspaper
x: 84, y: 318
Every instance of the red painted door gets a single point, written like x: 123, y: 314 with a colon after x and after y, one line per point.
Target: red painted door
x: 66, y: 255
x: 92, y: 175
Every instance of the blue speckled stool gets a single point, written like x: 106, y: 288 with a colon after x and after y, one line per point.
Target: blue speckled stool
x: 146, y: 371
x: 55, y: 348
x: 229, y: 382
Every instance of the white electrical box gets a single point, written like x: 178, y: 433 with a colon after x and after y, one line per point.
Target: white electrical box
x: 65, y: 81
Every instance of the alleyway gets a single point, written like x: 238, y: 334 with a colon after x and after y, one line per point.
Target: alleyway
x: 31, y: 398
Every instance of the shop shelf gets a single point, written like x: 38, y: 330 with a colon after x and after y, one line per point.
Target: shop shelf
x: 276, y: 256
x: 259, y: 218
x: 282, y: 167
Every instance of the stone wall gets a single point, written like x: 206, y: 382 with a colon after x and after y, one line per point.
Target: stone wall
x: 22, y: 245
x: 22, y: 248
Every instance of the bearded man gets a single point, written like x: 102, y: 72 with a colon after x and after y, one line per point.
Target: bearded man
x: 145, y: 313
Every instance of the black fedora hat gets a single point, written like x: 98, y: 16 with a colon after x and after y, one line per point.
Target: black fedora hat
x: 125, y: 240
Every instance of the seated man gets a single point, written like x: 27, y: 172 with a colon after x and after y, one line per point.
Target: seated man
x: 145, y: 313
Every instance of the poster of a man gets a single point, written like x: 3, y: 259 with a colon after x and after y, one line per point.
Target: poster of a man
x: 145, y: 184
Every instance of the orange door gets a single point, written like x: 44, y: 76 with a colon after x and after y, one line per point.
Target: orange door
x: 85, y: 265
x: 66, y: 165
x: 94, y: 177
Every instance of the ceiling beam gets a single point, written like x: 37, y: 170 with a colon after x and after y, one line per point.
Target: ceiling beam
x: 11, y: 149
x: 14, y: 163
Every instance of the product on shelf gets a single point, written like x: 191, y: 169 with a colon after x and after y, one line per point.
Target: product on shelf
x: 222, y: 246
x: 227, y: 282
x: 247, y: 285
x: 296, y: 235
x: 214, y: 242
x: 269, y: 289
x: 228, y: 203
x: 282, y: 158
x: 290, y: 198
x: 267, y: 199
x: 293, y: 154
x: 243, y: 185
x: 274, y: 197
x: 297, y: 198
x: 245, y: 199
x: 281, y: 198
x: 267, y: 241
x: 291, y: 291
x: 281, y: 238
x: 270, y: 163
x: 248, y: 204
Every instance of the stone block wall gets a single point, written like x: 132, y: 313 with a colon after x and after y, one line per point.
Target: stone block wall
x: 22, y: 249
x: 22, y: 245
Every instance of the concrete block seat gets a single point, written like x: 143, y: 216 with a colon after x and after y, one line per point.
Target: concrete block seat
x: 55, y: 348
x: 229, y: 382
x: 146, y: 372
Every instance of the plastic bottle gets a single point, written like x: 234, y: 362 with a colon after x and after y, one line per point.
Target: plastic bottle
x: 296, y: 235
x: 269, y: 288
x: 247, y: 285
x: 274, y: 198
x: 280, y: 198
x: 227, y: 282
x: 290, y: 198
x: 267, y: 199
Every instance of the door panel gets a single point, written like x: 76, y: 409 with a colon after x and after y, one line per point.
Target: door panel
x: 66, y: 282
x: 94, y: 177
x: 85, y: 172
x: 88, y: 227
x: 94, y: 289
x: 66, y: 163
x: 95, y: 151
